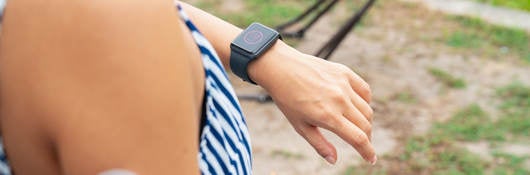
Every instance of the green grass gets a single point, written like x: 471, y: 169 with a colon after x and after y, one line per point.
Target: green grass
x: 406, y: 97
x: 470, y: 124
x: 425, y: 155
x: 448, y: 79
x: 507, y: 164
x: 516, y: 4
x: 433, y: 154
x: 465, y: 40
x: 483, y: 37
x: 438, y: 151
x: 353, y: 170
x: 286, y: 154
x: 516, y: 109
x: 268, y: 12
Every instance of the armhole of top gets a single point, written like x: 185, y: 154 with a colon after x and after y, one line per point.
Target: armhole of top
x: 203, y: 115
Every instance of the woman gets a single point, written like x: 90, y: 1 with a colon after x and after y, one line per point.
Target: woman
x: 93, y: 86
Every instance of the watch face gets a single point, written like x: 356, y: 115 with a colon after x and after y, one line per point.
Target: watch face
x: 254, y: 38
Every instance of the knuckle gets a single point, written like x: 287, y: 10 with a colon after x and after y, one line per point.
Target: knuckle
x: 365, y: 89
x: 343, y: 67
x: 345, y: 70
x: 370, y: 111
x: 369, y: 114
x: 337, y: 96
x: 369, y: 118
x: 322, y: 113
x: 360, y: 139
x: 300, y: 131
x: 329, y: 119
x: 368, y: 129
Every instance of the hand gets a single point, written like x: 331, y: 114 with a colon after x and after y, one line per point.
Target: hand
x: 314, y: 93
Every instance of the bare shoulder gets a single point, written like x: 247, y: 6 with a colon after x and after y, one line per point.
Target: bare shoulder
x: 107, y: 84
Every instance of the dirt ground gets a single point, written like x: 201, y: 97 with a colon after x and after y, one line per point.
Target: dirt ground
x: 392, y: 50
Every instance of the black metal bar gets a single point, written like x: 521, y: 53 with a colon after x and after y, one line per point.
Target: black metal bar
x: 327, y: 50
x: 301, y: 16
x: 301, y: 32
x: 320, y: 14
x: 262, y: 98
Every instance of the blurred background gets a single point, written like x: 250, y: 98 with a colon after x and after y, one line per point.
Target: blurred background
x: 450, y: 81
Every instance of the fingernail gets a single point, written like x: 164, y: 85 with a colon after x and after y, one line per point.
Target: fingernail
x: 374, y: 160
x: 330, y: 160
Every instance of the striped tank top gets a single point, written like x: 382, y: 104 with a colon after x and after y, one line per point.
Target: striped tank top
x: 224, y: 143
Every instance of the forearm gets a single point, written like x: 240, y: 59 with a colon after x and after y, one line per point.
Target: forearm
x: 221, y: 33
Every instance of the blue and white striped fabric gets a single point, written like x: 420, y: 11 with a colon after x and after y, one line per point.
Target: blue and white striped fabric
x: 224, y: 140
x: 4, y: 166
x: 2, y: 6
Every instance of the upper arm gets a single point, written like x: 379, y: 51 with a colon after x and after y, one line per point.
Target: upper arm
x: 112, y: 80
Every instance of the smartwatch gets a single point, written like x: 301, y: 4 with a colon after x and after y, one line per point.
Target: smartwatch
x: 248, y: 46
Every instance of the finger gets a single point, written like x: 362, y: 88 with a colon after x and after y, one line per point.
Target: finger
x: 355, y: 137
x: 360, y: 86
x: 321, y: 145
x: 353, y: 114
x: 361, y: 105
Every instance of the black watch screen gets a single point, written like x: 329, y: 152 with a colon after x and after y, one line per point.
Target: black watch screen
x: 249, y: 45
x: 255, y: 38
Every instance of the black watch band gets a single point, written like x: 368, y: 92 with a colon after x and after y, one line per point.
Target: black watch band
x: 239, y: 66
x: 249, y: 45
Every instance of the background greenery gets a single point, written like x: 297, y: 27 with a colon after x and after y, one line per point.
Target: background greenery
x: 517, y: 4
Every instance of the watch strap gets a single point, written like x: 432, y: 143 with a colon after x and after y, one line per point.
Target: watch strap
x: 239, y: 65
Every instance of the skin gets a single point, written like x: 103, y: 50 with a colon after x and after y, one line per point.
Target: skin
x: 98, y: 88
x: 110, y: 92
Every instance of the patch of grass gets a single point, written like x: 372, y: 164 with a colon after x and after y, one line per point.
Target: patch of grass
x: 207, y: 5
x: 498, y: 34
x: 438, y: 152
x: 507, y: 164
x: 268, y: 12
x: 447, y: 78
x: 440, y: 156
x: 465, y: 40
x: 470, y: 124
x: 406, y: 97
x: 473, y: 124
x: 286, y: 154
x: 516, y: 4
x: 515, y: 108
x: 353, y: 170
x: 479, y: 35
x: 459, y: 161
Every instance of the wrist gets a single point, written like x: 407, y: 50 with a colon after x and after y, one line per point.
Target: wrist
x: 264, y: 69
